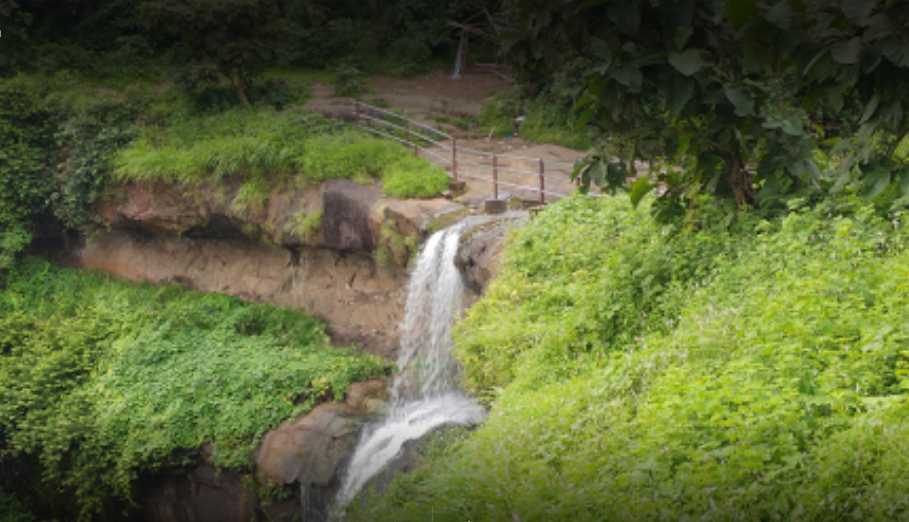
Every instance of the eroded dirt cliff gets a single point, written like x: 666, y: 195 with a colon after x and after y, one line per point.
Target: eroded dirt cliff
x: 338, y: 251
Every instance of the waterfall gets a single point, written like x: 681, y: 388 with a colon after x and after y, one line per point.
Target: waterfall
x: 425, y: 394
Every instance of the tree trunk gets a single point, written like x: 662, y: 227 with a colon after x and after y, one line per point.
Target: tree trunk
x: 739, y: 180
x: 240, y: 86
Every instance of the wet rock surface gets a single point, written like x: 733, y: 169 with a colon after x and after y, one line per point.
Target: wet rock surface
x: 481, y: 246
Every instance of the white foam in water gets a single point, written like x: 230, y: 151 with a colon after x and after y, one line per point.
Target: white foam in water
x: 425, y: 394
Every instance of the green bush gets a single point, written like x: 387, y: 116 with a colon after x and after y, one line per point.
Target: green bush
x: 546, y: 120
x: 271, y: 147
x: 12, y: 510
x: 758, y: 373
x: 26, y: 145
x: 349, y: 81
x: 411, y: 177
x: 101, y: 381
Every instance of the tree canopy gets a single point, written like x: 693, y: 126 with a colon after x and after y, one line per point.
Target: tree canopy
x: 754, y: 100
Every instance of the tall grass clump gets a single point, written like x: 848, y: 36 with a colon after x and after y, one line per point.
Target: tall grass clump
x: 544, y: 120
x: 102, y: 381
x: 272, y: 147
x: 753, y: 373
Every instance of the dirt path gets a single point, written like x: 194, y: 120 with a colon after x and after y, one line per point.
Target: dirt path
x: 428, y: 97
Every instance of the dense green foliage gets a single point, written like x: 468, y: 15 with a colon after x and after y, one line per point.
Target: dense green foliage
x: 12, y: 510
x: 758, y: 373
x: 64, y: 135
x: 738, y: 92
x: 26, y: 137
x: 545, y: 119
x: 59, y: 134
x: 101, y: 380
x: 219, y: 49
x: 267, y: 147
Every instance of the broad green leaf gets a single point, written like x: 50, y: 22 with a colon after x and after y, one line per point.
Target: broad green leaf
x: 687, y: 62
x: 681, y: 91
x: 847, y: 52
x: 743, y: 102
x: 629, y: 76
x: 876, y: 181
x: 896, y: 49
x: 602, y: 52
x: 870, y: 109
x: 639, y: 188
x: 813, y: 61
x: 793, y: 127
x: 904, y: 183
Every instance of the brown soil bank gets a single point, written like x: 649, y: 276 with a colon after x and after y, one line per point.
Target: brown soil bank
x: 337, y: 251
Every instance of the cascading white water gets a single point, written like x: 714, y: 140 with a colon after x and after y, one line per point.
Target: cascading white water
x: 425, y: 394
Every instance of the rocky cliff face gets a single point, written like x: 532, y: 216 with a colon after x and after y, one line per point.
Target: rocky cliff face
x: 338, y: 251
x: 481, y: 246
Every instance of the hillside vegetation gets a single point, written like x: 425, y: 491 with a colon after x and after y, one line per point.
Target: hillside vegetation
x: 101, y: 380
x: 752, y: 372
x: 266, y: 147
x: 68, y: 138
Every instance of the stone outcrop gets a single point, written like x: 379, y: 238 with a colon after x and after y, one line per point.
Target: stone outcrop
x: 346, y: 209
x: 361, y: 303
x: 338, y: 251
x: 311, y: 449
x: 306, y: 455
x: 481, y: 247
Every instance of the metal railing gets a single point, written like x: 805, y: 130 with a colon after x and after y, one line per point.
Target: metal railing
x: 463, y: 162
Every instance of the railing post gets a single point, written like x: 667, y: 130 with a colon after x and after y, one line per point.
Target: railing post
x: 411, y: 135
x: 454, y: 158
x: 495, y: 176
x: 542, y: 182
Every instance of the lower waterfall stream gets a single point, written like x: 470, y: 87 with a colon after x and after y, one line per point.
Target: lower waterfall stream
x: 425, y: 394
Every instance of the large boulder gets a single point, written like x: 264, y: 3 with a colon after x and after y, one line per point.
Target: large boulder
x: 311, y: 449
x: 346, y: 208
x: 481, y: 245
x: 314, y: 449
x: 204, y: 494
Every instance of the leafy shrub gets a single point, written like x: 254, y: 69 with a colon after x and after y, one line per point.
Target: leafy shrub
x: 307, y: 226
x: 87, y: 143
x: 349, y: 81
x: 498, y: 114
x: 12, y: 510
x: 204, y: 85
x: 26, y: 143
x: 546, y: 119
x: 270, y: 147
x: 409, y: 56
x: 102, y: 380
x: 347, y: 154
x: 551, y: 121
x: 758, y: 373
x: 411, y: 177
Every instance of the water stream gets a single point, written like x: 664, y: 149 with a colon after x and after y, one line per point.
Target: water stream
x: 425, y: 394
